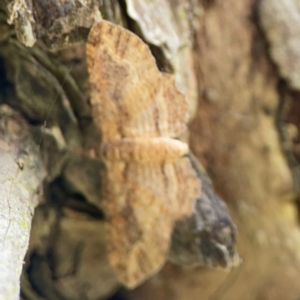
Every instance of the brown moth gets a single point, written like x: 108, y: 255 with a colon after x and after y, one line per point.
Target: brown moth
x: 149, y: 183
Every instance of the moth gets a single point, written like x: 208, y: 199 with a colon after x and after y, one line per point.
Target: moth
x: 149, y: 182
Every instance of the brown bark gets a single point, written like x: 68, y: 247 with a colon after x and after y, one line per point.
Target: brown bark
x: 219, y: 53
x: 234, y: 134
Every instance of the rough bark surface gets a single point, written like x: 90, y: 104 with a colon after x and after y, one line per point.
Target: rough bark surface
x: 57, y: 23
x: 234, y: 134
x: 21, y: 175
x: 228, y: 57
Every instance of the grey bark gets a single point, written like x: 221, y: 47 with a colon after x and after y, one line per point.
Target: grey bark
x: 21, y: 175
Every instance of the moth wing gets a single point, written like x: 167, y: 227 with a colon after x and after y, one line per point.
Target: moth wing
x: 129, y: 96
x: 143, y: 202
x: 123, y: 80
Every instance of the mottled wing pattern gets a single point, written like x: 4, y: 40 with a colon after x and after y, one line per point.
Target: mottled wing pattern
x: 148, y: 183
x: 142, y: 204
x: 134, y: 98
x: 172, y: 108
x: 188, y: 189
x: 140, y: 224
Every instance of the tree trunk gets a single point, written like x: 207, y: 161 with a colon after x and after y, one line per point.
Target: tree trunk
x: 22, y: 173
x: 237, y: 64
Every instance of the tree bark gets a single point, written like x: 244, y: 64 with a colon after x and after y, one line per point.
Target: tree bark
x: 21, y: 175
x: 232, y: 61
